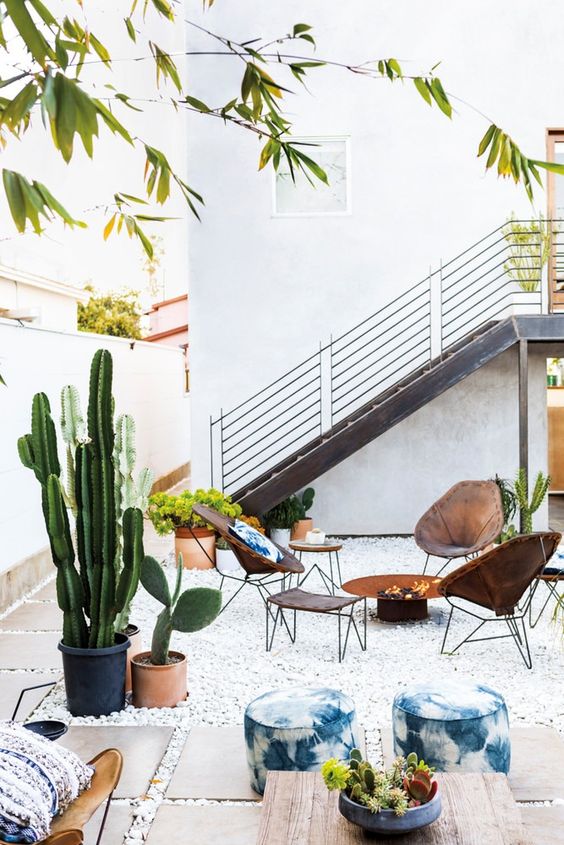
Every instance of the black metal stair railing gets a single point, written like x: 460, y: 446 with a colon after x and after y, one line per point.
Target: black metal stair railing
x: 410, y: 333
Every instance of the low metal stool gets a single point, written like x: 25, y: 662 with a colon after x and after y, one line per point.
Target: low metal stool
x: 299, y: 600
x: 331, y: 549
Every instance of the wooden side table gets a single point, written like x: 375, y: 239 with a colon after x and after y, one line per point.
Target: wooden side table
x: 477, y: 810
x: 329, y: 549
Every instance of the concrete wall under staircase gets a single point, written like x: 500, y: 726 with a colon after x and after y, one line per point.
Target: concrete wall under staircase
x: 471, y: 431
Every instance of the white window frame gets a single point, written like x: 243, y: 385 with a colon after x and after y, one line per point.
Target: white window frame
x: 319, y: 139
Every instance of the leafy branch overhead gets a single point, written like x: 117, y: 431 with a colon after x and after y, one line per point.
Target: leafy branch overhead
x: 48, y: 89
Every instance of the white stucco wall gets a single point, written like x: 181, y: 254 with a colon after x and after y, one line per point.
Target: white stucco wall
x: 148, y: 383
x: 471, y: 431
x: 265, y: 290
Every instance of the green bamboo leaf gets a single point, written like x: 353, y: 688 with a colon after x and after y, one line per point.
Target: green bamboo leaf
x: 99, y: 49
x: 313, y: 166
x: 56, y: 207
x: 440, y: 97
x: 18, y: 108
x: 548, y: 165
x: 197, y: 104
x: 486, y: 140
x: 112, y: 122
x: 494, y: 149
x: 130, y: 29
x: 34, y: 41
x: 301, y: 27
x: 423, y: 88
x: 43, y: 12
x: 14, y: 195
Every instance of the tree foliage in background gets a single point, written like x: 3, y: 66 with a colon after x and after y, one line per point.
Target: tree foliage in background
x: 115, y: 313
x: 48, y: 89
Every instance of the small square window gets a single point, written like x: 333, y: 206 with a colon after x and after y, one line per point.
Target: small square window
x: 301, y: 197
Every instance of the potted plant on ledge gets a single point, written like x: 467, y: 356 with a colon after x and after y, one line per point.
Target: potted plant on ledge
x: 281, y: 519
x: 303, y: 524
x: 399, y: 800
x: 194, y: 540
x: 159, y: 675
x: 92, y: 595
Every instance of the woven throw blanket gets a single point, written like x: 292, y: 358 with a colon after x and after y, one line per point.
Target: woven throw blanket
x: 38, y: 779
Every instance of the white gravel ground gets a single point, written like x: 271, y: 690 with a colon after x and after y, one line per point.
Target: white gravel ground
x: 228, y: 664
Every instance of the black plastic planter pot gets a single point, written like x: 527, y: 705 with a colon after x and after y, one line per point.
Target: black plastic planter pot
x: 95, y: 678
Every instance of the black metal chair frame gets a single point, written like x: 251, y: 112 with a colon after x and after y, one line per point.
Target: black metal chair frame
x: 260, y: 581
x: 550, y: 584
x: 447, y: 561
x: 328, y: 580
x: 511, y: 620
x: 280, y: 617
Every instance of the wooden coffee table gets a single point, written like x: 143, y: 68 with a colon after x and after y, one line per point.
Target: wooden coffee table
x: 395, y: 610
x: 477, y: 810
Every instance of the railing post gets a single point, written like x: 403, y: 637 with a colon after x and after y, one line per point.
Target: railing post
x: 216, y: 451
x: 325, y: 391
x: 544, y: 266
x: 436, y: 316
x: 222, y: 488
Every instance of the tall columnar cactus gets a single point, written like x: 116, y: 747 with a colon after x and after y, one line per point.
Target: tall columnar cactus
x: 74, y: 432
x: 527, y: 508
x: 38, y: 452
x: 92, y: 590
x: 128, y: 493
x: 187, y: 612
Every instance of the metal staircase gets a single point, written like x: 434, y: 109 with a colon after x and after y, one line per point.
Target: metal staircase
x: 359, y: 385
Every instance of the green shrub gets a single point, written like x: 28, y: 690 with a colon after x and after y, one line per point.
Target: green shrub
x: 167, y: 513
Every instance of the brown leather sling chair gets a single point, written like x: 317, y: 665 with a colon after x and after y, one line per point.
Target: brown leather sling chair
x: 502, y: 582
x: 68, y: 828
x: 461, y: 523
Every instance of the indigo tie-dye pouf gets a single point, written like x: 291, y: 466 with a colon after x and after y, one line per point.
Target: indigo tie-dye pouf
x: 453, y: 726
x: 297, y: 730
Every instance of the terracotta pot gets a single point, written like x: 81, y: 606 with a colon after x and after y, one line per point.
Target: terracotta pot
x: 159, y: 686
x: 300, y: 529
x: 134, y: 634
x: 193, y: 555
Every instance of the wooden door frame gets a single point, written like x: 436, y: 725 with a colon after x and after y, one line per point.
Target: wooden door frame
x: 553, y: 134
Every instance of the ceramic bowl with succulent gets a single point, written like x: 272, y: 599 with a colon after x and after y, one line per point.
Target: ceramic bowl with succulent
x: 390, y: 801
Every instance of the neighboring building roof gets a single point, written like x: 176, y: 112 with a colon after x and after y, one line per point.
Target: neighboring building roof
x: 168, y: 333
x: 156, y: 305
x: 10, y: 274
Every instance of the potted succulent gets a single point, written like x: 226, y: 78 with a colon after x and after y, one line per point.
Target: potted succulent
x: 159, y: 675
x: 174, y: 514
x: 281, y: 519
x: 399, y: 800
x: 225, y: 558
x: 92, y: 595
x: 303, y: 524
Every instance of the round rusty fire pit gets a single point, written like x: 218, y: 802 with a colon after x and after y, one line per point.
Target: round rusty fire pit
x: 397, y: 606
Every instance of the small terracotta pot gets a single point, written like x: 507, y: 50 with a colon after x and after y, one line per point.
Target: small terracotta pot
x: 134, y: 634
x: 300, y: 529
x: 193, y: 555
x: 159, y: 686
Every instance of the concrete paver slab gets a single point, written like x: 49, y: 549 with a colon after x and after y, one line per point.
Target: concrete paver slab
x: 177, y: 824
x: 143, y: 748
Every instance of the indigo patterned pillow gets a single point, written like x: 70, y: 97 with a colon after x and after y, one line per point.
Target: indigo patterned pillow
x: 256, y: 541
x: 38, y: 779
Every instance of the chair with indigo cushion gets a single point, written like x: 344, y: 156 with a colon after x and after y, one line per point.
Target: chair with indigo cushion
x: 454, y: 726
x: 260, y: 571
x: 499, y: 586
x: 297, y: 730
